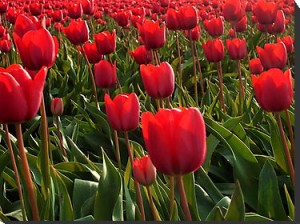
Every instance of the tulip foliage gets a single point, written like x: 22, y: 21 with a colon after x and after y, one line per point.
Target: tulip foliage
x: 101, y: 117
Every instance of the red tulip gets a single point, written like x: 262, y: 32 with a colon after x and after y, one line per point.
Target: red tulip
x: 175, y: 139
x: 92, y: 53
x: 24, y: 24
x: 3, y: 7
x: 193, y: 34
x: 141, y: 55
x: 123, y: 111
x: 136, y: 20
x: 57, y: 106
x: 172, y: 21
x: 237, y: 48
x: 105, y: 42
x: 20, y: 94
x: 288, y: 42
x: 233, y: 10
x: 159, y: 81
x: 273, y: 89
x: 241, y: 25
x: 75, y: 10
x: 153, y: 36
x: 105, y: 74
x: 272, y: 55
x: 255, y: 66
x: 35, y: 8
x: 122, y: 18
x: 5, y: 46
x: 77, y: 32
x: 143, y: 171
x: 279, y: 24
x: 37, y: 48
x: 88, y: 7
x: 12, y: 14
x: 265, y: 12
x: 188, y: 18
x: 214, y: 27
x: 57, y: 16
x: 214, y: 50
x: 2, y: 31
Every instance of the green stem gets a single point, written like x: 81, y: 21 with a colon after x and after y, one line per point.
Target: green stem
x: 60, y: 138
x: 241, y: 85
x: 285, y: 147
x: 200, y: 71
x: 153, y: 208
x: 26, y: 170
x: 117, y: 149
x: 220, y: 77
x: 183, y: 199
x: 195, y: 73
x: 172, y: 196
x: 291, y: 133
x: 179, y: 58
x: 14, y: 164
x: 136, y: 185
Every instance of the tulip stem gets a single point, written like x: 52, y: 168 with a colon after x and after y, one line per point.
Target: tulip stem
x: 118, y: 81
x: 136, y: 184
x: 200, y: 71
x: 242, y: 92
x: 60, y: 137
x: 117, y: 149
x: 179, y: 58
x: 183, y: 199
x: 14, y: 164
x: 172, y: 196
x: 153, y: 208
x: 26, y: 170
x: 285, y: 147
x: 91, y: 75
x: 291, y: 133
x: 220, y: 76
x: 195, y: 72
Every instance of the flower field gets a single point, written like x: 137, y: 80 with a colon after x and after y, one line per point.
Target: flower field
x: 147, y: 110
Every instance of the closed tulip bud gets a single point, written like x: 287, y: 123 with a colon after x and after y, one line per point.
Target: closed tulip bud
x: 288, y: 42
x: 265, y: 12
x: 188, y: 18
x: 21, y: 95
x: 279, y: 24
x: 175, y: 140
x: 214, y: 50
x: 153, y: 36
x: 57, y: 16
x: 214, y: 27
x: 237, y: 48
x: 35, y: 8
x: 37, y: 48
x: 24, y: 24
x: 233, y: 10
x: 255, y: 66
x: 105, y: 74
x: 122, y: 18
x: 241, y: 25
x: 77, y: 32
x: 172, y: 21
x: 273, y: 89
x: 159, y: 81
x: 123, y: 111
x: 88, y: 7
x: 75, y: 11
x: 92, y: 53
x: 57, y: 106
x: 105, y: 42
x: 141, y: 55
x: 5, y: 46
x: 143, y: 171
x: 272, y: 55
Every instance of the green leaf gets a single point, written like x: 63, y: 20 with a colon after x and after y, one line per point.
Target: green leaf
x: 108, y: 204
x: 129, y: 205
x: 213, y: 214
x: 253, y: 217
x: 269, y: 200
x: 236, y: 210
x: 289, y: 203
x: 83, y: 190
x: 86, y: 218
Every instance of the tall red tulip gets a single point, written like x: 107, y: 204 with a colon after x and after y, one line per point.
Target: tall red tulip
x: 141, y: 55
x: 272, y: 55
x: 144, y: 171
x: 88, y: 7
x: 105, y: 74
x: 288, y: 42
x: 241, y: 25
x: 233, y: 10
x: 175, y: 139
x: 214, y: 50
x: 279, y: 24
x: 20, y: 94
x: 188, y: 17
x: 122, y: 18
x: 237, y: 48
x: 255, y: 66
x: 273, y: 89
x: 105, y: 42
x: 75, y: 10
x: 159, y: 81
x: 172, y: 19
x: 24, y: 24
x: 123, y: 111
x: 92, y: 53
x: 193, y: 34
x: 37, y: 48
x: 77, y: 32
x: 265, y: 12
x: 214, y: 27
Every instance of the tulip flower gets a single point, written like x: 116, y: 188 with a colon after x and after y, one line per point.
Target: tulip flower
x: 214, y: 27
x: 255, y: 66
x: 237, y: 48
x: 288, y: 42
x: 159, y: 81
x: 233, y: 11
x: 105, y: 42
x: 141, y: 55
x: 241, y: 25
x: 214, y: 50
x: 88, y: 7
x: 122, y: 18
x: 265, y: 12
x: 57, y: 106
x: 278, y: 26
x: 77, y: 32
x: 273, y: 89
x: 193, y: 34
x: 3, y: 7
x: 35, y: 8
x: 57, y: 16
x: 143, y: 170
x: 20, y: 94
x: 92, y: 53
x: 272, y: 55
x: 172, y: 21
x: 5, y: 46
x: 24, y: 24
x: 123, y: 111
x: 105, y: 74
x: 37, y: 48
x: 175, y: 139
x: 75, y: 10
x: 153, y: 36
x: 188, y: 18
